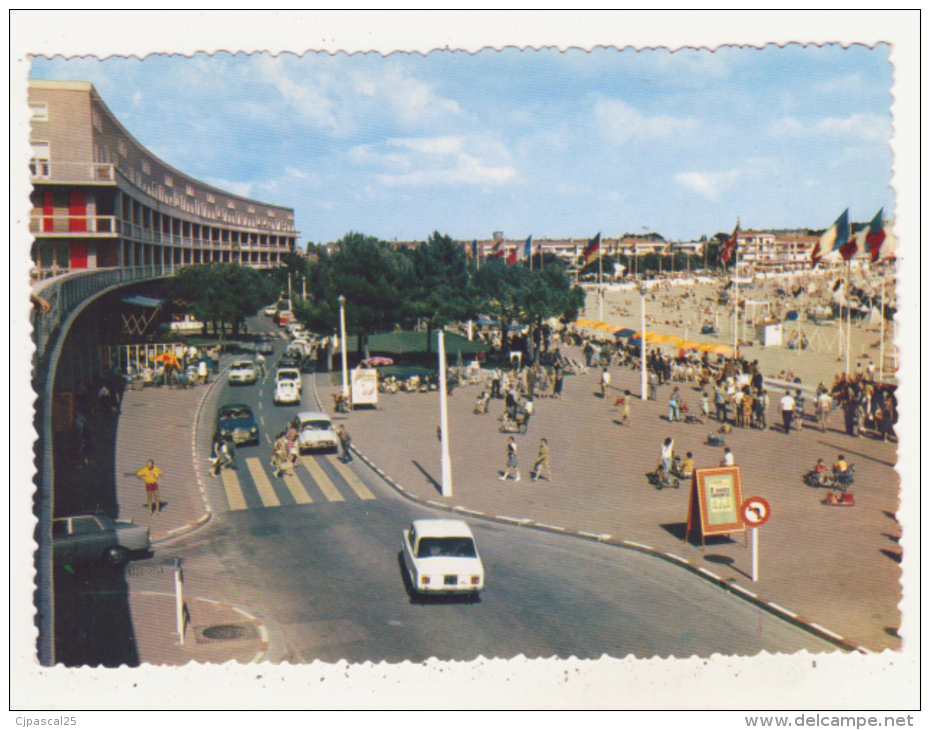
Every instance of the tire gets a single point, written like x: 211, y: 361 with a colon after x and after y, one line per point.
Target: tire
x: 114, y: 555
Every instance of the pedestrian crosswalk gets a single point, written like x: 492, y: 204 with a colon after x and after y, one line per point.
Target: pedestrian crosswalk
x: 315, y: 479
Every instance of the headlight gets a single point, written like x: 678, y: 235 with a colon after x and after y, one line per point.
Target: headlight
x: 254, y: 429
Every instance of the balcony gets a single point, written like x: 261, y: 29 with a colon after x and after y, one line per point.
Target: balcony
x: 71, y: 172
x: 73, y: 226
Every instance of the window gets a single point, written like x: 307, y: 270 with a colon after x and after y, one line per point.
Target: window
x: 39, y: 164
x: 210, y: 198
x: 146, y: 167
x: 230, y: 204
x: 39, y: 111
x: 251, y: 209
x: 121, y: 145
x: 189, y: 190
x: 271, y: 214
x: 84, y: 525
x: 168, y: 181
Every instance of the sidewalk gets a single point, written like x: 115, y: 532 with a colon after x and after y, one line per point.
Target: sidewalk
x: 836, y: 567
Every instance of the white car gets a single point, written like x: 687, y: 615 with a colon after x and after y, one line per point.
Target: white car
x: 295, y: 328
x: 315, y: 431
x: 243, y: 372
x: 292, y: 374
x: 286, y: 391
x: 271, y: 310
x: 440, y: 557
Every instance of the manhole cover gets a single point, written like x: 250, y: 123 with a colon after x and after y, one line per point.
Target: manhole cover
x: 225, y: 632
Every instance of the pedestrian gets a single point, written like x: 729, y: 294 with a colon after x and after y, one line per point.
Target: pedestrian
x: 223, y: 457
x: 260, y: 361
x: 674, y: 405
x: 824, y: 406
x: 625, y: 419
x: 531, y: 378
x: 653, y: 386
x: 512, y: 464
x: 542, y: 462
x: 496, y: 383
x: 279, y: 459
x: 798, y: 408
x: 727, y: 459
x: 345, y: 441
x: 705, y: 405
x: 558, y: 381
x: 293, y: 446
x: 666, y: 453
x: 103, y: 396
x: 605, y: 383
x: 787, y: 410
x: 150, y: 474
x: 202, y: 371
x: 720, y: 402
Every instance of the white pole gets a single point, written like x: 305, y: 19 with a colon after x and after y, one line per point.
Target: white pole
x: 471, y: 330
x: 848, y: 317
x: 881, y: 341
x: 736, y: 304
x: 290, y: 303
x: 342, y: 343
x: 446, y: 462
x: 600, y: 283
x: 755, y: 554
x: 642, y: 340
x: 179, y: 598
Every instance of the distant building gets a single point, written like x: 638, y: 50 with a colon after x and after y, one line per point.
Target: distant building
x: 100, y: 199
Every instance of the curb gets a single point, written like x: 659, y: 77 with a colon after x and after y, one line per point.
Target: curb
x: 728, y: 585
x: 205, y: 518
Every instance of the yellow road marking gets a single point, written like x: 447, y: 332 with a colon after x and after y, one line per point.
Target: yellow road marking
x: 296, y: 488
x: 265, y: 490
x: 353, y: 481
x: 322, y: 481
x: 233, y: 490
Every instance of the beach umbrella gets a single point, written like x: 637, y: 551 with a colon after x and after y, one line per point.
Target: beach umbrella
x: 602, y: 326
x: 582, y: 323
x: 376, y: 361
x: 169, y: 358
x: 716, y: 348
x: 624, y: 332
x: 688, y: 345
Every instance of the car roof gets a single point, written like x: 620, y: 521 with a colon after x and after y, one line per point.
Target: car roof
x: 235, y: 406
x: 313, y: 416
x: 241, y: 362
x: 442, y: 528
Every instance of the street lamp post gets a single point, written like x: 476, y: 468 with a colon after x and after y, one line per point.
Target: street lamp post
x: 642, y: 339
x: 345, y: 367
x: 445, y: 459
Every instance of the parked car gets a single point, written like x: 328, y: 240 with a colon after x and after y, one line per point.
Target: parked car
x: 440, y: 557
x: 289, y: 360
x: 288, y: 374
x: 243, y: 372
x: 237, y: 421
x: 271, y: 310
x: 315, y: 431
x: 286, y: 391
x: 295, y: 328
x: 94, y: 536
x: 283, y: 317
x: 264, y: 345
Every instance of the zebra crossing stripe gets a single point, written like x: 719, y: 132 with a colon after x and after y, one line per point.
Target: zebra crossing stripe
x: 353, y: 481
x: 322, y: 481
x: 296, y: 488
x: 233, y: 490
x: 265, y: 490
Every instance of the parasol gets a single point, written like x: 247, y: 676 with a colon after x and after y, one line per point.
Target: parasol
x: 376, y: 361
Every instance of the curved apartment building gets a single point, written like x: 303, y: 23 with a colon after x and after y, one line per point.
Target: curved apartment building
x: 100, y: 199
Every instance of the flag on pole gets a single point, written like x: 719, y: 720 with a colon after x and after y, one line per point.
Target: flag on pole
x: 528, y: 249
x: 874, y: 236
x: 593, y: 250
x: 497, y: 250
x: 729, y: 247
x: 474, y: 249
x: 833, y: 239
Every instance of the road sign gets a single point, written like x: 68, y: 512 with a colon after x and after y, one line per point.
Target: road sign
x: 755, y: 512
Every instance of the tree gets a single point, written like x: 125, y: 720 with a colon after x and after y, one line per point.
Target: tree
x: 221, y: 293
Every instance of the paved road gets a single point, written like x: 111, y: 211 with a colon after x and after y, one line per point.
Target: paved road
x: 325, y: 576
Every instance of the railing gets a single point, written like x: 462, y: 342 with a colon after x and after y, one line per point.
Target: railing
x: 72, y: 224
x: 72, y: 171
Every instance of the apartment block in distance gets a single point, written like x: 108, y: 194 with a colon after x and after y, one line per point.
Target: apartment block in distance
x: 100, y: 199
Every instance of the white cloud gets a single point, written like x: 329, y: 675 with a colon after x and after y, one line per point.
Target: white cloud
x: 236, y: 188
x: 707, y: 184
x: 430, y: 145
x: 620, y: 123
x: 137, y: 97
x: 865, y: 127
x: 294, y: 172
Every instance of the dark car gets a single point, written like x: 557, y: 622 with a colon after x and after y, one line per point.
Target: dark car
x: 264, y: 344
x: 289, y: 360
x: 237, y: 422
x: 94, y: 536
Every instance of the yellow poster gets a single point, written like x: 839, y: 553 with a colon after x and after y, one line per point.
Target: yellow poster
x: 721, y: 502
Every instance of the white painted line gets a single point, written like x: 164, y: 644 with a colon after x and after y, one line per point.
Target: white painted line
x: 783, y: 609
x: 589, y: 534
x: 550, y: 527
x: 827, y: 631
x: 508, y: 519
x: 434, y: 504
x: 743, y: 590
x: 259, y: 405
x: 678, y: 558
x: 637, y: 544
x: 261, y: 420
x: 605, y: 537
x: 459, y: 508
x: 705, y: 571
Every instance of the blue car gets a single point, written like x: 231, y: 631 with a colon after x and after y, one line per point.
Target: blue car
x: 237, y: 422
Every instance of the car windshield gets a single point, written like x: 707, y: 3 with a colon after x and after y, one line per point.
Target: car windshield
x: 242, y: 366
x: 287, y: 376
x: 315, y: 426
x: 233, y: 414
x: 446, y: 547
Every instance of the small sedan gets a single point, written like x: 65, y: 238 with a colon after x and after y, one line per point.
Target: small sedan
x: 440, y: 557
x: 264, y: 345
x: 94, y: 536
x: 237, y: 422
x: 286, y: 391
x: 271, y: 310
x: 292, y: 374
x: 243, y: 372
x: 315, y: 431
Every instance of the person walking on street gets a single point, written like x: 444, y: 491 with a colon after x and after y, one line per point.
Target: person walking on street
x: 798, y: 409
x: 625, y: 419
x: 605, y: 383
x: 496, y: 383
x: 260, y: 361
x: 824, y: 405
x: 666, y: 453
x: 674, y: 405
x: 202, y: 371
x: 557, y: 383
x: 345, y: 441
x: 720, y: 402
x: 705, y: 405
x: 787, y: 410
x: 542, y: 462
x: 512, y: 464
x: 150, y: 475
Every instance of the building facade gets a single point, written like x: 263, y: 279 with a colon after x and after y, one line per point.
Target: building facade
x: 100, y: 199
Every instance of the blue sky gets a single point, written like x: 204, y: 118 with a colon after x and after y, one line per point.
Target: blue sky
x: 545, y: 143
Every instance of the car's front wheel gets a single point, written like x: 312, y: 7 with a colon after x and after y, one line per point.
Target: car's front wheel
x: 114, y: 555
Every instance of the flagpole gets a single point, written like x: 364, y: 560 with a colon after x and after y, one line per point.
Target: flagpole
x: 848, y: 315
x: 736, y: 303
x: 600, y: 282
x: 881, y: 345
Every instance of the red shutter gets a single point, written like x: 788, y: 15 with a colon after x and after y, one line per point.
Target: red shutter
x: 77, y: 210
x: 78, y: 255
x: 48, y: 210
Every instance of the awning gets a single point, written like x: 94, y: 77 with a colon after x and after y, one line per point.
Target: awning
x: 143, y: 301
